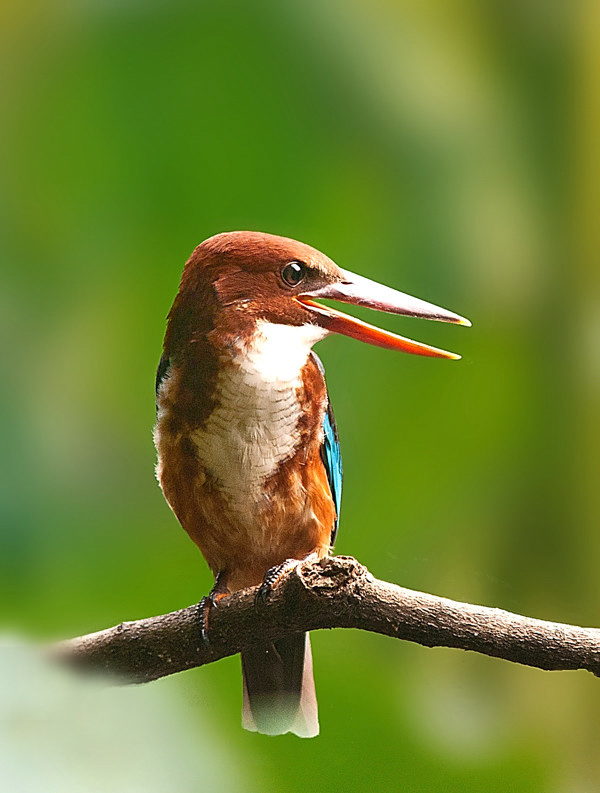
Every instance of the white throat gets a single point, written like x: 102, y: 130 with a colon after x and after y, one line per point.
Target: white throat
x: 278, y: 352
x: 254, y: 426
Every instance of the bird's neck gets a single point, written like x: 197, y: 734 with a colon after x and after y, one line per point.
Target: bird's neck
x: 253, y: 369
x: 274, y: 354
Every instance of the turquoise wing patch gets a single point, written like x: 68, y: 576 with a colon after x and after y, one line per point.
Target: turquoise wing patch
x: 332, y: 459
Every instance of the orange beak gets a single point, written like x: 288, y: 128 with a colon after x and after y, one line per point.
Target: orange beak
x: 363, y: 292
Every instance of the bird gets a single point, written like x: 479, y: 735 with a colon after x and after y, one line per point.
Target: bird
x: 248, y: 450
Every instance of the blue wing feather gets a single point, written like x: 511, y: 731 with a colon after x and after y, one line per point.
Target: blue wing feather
x: 332, y: 459
x: 331, y: 454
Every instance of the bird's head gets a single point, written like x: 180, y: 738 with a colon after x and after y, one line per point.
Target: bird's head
x: 245, y: 277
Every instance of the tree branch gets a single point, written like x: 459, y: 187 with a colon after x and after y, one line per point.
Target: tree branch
x: 332, y: 593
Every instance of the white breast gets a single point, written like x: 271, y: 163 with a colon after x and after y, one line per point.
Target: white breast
x: 254, y: 426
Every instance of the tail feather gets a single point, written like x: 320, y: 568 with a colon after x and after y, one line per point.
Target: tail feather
x: 279, y: 688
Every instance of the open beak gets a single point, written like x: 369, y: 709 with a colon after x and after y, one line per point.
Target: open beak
x: 364, y: 292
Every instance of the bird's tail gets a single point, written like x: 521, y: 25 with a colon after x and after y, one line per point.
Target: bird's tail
x: 279, y: 688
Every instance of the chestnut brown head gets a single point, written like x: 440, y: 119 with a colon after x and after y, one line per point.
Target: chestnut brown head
x: 235, y: 279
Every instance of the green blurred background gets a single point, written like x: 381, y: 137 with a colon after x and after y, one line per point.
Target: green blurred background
x: 446, y: 148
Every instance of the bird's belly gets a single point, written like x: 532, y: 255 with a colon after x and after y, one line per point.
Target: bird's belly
x: 252, y: 430
x: 294, y: 518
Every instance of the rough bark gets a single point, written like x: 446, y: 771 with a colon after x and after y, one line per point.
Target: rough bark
x: 332, y: 593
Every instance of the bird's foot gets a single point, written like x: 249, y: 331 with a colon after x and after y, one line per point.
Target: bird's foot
x: 273, y: 577
x: 218, y: 592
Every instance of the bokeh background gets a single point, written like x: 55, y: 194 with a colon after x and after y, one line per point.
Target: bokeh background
x: 446, y: 148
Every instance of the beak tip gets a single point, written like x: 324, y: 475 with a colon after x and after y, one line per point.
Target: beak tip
x: 449, y: 356
x: 458, y: 320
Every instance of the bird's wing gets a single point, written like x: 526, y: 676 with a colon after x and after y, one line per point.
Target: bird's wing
x: 332, y: 456
x: 161, y: 372
x: 332, y: 459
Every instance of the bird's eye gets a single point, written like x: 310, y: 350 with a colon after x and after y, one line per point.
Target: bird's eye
x: 293, y: 273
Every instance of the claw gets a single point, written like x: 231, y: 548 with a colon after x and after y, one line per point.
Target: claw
x: 209, y: 602
x: 272, y: 578
x: 204, y: 607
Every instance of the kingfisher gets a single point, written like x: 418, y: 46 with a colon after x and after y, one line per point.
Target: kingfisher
x: 248, y: 450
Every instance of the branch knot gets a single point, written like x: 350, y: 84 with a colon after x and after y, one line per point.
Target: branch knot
x: 329, y: 576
